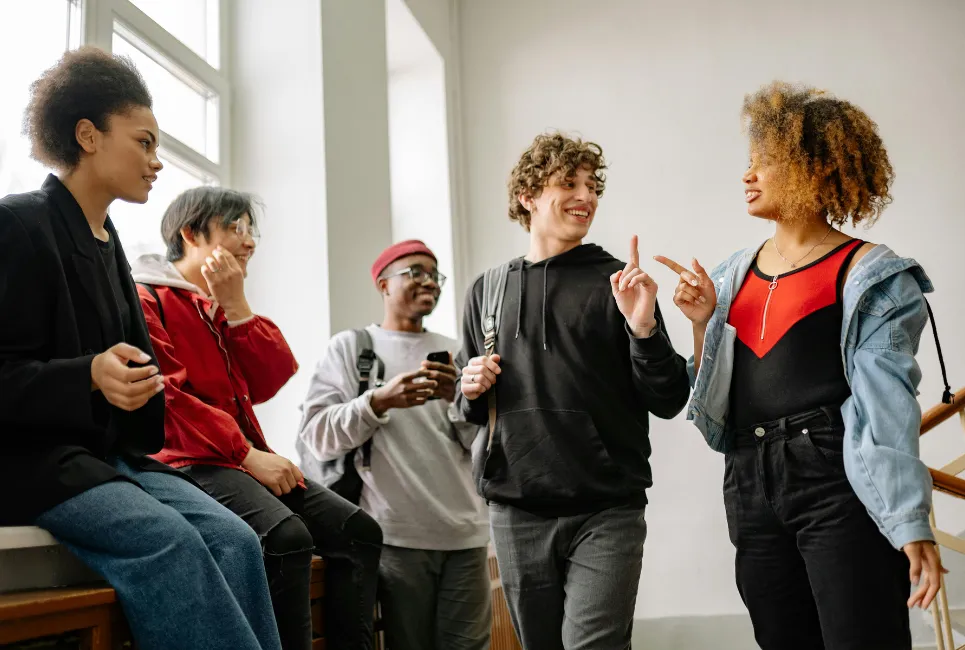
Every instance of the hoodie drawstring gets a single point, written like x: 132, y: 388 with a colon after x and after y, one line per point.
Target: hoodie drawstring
x: 545, y: 271
x: 519, y: 302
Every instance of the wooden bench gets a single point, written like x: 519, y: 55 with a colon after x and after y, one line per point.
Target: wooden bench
x: 93, y: 615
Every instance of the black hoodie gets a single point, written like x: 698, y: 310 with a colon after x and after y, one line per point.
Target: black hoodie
x: 576, y: 388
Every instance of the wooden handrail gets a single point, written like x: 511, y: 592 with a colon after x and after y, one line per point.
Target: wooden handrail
x: 938, y: 414
x: 947, y: 483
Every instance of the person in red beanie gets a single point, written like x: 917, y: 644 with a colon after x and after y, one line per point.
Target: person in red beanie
x: 410, y: 463
x: 218, y: 359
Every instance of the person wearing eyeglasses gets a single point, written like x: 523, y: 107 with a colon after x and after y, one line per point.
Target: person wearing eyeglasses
x: 218, y: 360
x: 434, y: 583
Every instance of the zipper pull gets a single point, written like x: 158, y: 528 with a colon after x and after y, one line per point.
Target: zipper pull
x: 770, y: 291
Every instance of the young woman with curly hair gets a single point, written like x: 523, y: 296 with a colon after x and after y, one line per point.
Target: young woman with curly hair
x: 81, y: 400
x: 582, y: 360
x: 805, y: 378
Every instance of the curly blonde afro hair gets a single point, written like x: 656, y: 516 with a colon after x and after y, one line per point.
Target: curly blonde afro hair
x: 832, y: 157
x: 551, y: 154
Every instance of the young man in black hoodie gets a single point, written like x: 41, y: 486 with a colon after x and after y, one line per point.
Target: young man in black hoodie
x: 582, y: 360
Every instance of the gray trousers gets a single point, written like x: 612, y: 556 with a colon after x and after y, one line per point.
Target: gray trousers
x: 570, y: 582
x: 435, y: 600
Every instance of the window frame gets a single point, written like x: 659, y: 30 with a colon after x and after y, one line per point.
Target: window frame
x: 97, y: 28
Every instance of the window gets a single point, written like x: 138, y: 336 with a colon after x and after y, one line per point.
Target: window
x: 139, y: 226
x: 177, y: 47
x: 34, y: 50
x: 195, y: 23
x: 184, y: 107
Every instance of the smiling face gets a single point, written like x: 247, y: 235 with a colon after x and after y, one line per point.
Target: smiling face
x: 124, y: 157
x: 404, y: 297
x: 238, y: 238
x: 565, y: 208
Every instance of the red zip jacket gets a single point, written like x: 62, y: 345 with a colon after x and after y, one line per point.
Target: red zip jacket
x: 214, y: 373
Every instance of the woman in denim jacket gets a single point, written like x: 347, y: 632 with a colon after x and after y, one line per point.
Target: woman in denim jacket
x: 805, y: 377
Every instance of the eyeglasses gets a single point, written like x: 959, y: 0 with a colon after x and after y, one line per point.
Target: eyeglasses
x: 421, y: 275
x: 245, y: 229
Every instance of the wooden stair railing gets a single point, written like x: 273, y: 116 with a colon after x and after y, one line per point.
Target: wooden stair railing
x: 946, y: 480
x: 938, y: 414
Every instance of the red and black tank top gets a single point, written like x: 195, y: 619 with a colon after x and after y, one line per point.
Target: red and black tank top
x: 787, y: 356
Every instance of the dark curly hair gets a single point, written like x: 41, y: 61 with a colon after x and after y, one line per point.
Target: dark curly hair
x: 198, y: 208
x: 551, y: 153
x: 832, y: 157
x: 86, y: 83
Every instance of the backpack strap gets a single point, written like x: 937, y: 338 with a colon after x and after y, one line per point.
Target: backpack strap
x: 151, y: 290
x: 494, y: 286
x: 366, y: 362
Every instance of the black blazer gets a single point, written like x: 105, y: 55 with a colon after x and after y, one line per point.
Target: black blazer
x: 57, y: 311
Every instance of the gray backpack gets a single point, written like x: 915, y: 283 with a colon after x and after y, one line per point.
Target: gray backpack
x: 494, y: 286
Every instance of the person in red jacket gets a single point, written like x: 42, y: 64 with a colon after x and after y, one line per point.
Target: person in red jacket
x: 219, y: 359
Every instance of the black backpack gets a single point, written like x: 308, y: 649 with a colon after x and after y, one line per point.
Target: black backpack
x: 340, y: 475
x: 151, y: 290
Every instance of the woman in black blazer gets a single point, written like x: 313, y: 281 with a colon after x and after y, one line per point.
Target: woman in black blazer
x: 81, y: 401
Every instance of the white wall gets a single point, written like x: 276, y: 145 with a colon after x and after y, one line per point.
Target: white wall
x: 659, y: 86
x: 310, y: 136
x: 278, y: 153
x: 419, y: 150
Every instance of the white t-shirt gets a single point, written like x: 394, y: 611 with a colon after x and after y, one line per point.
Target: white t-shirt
x: 420, y: 486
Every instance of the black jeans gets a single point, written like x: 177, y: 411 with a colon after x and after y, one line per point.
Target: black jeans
x: 812, y: 568
x: 290, y: 528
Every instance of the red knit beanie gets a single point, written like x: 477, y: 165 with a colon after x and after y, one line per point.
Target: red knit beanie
x: 397, y: 251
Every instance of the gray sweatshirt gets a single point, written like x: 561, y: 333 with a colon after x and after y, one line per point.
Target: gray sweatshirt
x: 420, y: 487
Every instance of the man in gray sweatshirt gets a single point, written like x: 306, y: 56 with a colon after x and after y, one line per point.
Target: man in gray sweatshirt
x: 417, y: 484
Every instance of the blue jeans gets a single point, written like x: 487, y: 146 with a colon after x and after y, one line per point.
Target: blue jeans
x: 188, y: 573
x: 570, y: 582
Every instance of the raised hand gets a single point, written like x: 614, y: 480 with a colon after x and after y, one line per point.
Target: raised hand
x: 695, y: 295
x: 635, y: 293
x: 226, y: 282
x: 479, y: 375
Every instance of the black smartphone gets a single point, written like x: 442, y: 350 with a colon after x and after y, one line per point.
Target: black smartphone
x: 439, y: 357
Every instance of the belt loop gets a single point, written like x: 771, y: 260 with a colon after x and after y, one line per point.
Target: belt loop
x: 782, y: 424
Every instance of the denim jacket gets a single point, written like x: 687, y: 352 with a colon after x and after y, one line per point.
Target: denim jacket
x: 884, y: 315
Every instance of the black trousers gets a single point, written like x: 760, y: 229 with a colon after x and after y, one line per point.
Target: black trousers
x: 291, y: 527
x: 812, y: 567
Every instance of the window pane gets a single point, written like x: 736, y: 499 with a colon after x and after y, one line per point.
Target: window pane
x: 184, y: 107
x: 33, y: 50
x: 139, y: 225
x: 193, y: 22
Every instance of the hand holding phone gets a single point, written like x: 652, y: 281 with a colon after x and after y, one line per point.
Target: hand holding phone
x: 441, y: 370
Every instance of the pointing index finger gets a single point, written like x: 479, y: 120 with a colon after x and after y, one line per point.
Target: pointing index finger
x: 634, y: 252
x: 670, y: 264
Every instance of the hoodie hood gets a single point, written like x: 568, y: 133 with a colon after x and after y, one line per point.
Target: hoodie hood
x: 156, y: 270
x: 583, y: 255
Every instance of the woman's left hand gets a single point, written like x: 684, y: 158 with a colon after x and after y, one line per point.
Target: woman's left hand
x: 925, y: 573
